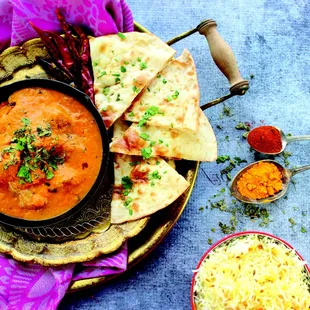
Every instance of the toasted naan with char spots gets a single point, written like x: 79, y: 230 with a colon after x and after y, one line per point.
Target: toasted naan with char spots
x: 142, y: 187
x: 152, y: 141
x: 175, y: 91
x: 123, y: 66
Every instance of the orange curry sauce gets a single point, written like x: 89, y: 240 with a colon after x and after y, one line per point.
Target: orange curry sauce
x: 50, y: 153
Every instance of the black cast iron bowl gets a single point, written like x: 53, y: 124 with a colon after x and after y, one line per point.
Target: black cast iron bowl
x: 5, y: 92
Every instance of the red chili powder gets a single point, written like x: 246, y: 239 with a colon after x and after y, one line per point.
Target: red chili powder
x: 265, y: 139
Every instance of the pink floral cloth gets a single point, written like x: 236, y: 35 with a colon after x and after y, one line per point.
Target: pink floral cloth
x: 101, y: 16
x: 34, y: 287
x: 29, y: 286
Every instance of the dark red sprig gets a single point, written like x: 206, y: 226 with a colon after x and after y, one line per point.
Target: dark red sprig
x: 53, y: 50
x: 70, y: 54
x: 63, y: 49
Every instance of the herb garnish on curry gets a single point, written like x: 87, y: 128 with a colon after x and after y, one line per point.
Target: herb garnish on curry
x: 50, y: 153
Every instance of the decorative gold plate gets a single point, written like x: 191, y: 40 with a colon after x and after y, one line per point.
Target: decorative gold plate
x: 18, y: 63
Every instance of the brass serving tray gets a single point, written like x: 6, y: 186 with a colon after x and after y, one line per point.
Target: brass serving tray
x: 18, y: 63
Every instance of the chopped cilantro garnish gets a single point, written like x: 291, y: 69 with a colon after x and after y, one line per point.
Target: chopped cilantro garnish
x: 126, y: 182
x: 126, y: 192
x: 175, y: 95
x: 143, y: 65
x: 168, y: 99
x: 135, y: 89
x: 144, y: 136
x: 286, y: 155
x: 157, y: 162
x: 139, y: 59
x: 222, y: 159
x: 239, y: 160
x: 116, y: 74
x: 164, y: 81
x: 117, y: 79
x: 44, y: 132
x: 49, y: 174
x: 128, y: 201
x: 118, y: 97
x: 95, y: 63
x: 121, y: 35
x: 227, y: 111
x: 134, y: 163
x: 102, y: 73
x: 146, y: 152
x: 126, y: 62
x: 123, y: 69
x: 24, y: 173
x: 151, y: 111
x: 152, y: 143
x: 154, y: 175
x: 160, y: 141
x: 227, y: 229
x: 226, y: 171
x: 158, y: 76
x: 292, y: 221
x: 106, y: 90
x: 242, y: 126
x: 25, y: 121
x: 303, y: 229
x: 245, y: 135
x: 131, y: 114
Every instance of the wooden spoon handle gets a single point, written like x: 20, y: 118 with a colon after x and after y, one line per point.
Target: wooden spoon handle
x: 223, y: 57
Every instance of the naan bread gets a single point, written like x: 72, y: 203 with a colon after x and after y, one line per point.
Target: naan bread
x: 123, y: 66
x: 155, y: 185
x: 152, y: 141
x: 175, y: 91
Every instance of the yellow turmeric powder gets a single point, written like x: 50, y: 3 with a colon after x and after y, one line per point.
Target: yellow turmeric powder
x: 262, y: 180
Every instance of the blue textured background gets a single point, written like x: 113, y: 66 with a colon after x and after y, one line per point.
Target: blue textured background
x: 271, y: 41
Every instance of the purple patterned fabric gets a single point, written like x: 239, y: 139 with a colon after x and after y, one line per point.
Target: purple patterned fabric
x: 101, y: 16
x: 29, y: 286
x: 34, y: 287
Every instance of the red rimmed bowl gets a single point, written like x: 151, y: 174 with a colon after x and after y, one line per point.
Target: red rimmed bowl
x: 230, y: 238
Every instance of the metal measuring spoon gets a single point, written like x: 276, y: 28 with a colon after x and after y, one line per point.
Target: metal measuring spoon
x: 287, y: 174
x: 284, y: 140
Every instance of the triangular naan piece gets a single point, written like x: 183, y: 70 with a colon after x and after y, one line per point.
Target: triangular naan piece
x: 175, y: 91
x: 143, y: 187
x: 152, y: 141
x: 123, y: 65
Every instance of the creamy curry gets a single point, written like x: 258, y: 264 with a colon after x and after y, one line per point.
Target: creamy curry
x: 50, y: 153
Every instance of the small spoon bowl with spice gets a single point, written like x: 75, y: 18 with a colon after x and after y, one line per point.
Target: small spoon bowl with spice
x: 263, y: 181
x: 271, y: 140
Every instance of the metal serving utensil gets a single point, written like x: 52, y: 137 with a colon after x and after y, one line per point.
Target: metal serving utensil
x: 287, y: 175
x: 223, y: 57
x: 284, y: 139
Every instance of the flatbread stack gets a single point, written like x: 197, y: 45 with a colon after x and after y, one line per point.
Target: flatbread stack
x: 154, y: 102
